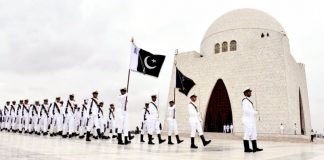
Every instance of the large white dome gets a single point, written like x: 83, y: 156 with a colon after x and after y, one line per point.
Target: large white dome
x: 243, y: 19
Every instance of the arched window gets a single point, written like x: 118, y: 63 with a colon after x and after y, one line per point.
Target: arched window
x: 224, y: 47
x: 217, y: 48
x: 262, y: 35
x: 233, y: 45
x: 268, y: 35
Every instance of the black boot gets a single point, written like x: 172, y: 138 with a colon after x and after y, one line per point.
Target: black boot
x: 160, y: 139
x: 88, y: 136
x: 169, y: 140
x: 130, y: 136
x: 142, y: 138
x: 205, y: 143
x: 150, y: 140
x: 255, y: 147
x: 246, y: 146
x: 120, y: 140
x: 193, y: 146
x: 178, y: 139
x: 127, y: 141
x: 99, y: 133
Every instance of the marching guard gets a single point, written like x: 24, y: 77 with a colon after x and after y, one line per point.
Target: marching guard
x: 195, y: 122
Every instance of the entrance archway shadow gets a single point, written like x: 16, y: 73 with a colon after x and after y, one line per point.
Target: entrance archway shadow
x: 219, y: 111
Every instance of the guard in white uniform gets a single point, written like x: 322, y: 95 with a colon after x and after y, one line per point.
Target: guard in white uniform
x: 93, y: 119
x: 154, y: 122
x: 111, y: 121
x: 195, y: 122
x: 68, y: 125
x: 249, y: 122
x: 144, y: 127
x: 102, y: 122
x: 19, y: 116
x: 6, y: 114
x: 25, y: 115
x: 44, y: 117
x: 36, y: 118
x: 84, y: 118
x: 172, y: 122
x: 13, y: 117
x: 122, y: 118
x: 57, y: 118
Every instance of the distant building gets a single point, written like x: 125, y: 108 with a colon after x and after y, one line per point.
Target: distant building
x: 245, y: 48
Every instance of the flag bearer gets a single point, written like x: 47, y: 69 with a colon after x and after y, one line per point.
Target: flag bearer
x: 173, y: 127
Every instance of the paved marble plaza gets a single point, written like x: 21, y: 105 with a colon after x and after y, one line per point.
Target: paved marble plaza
x: 26, y: 147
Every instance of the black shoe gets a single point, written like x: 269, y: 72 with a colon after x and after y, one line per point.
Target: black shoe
x: 142, y: 138
x: 120, y: 140
x: 178, y: 139
x: 95, y: 137
x: 64, y: 136
x: 130, y: 136
x: 99, y: 133
x: 193, y: 146
x: 70, y: 136
x: 246, y: 146
x: 88, y: 136
x: 205, y: 143
x: 169, y: 140
x: 150, y: 140
x: 114, y: 136
x: 160, y: 139
x: 255, y: 147
x: 81, y: 137
x: 127, y: 141
x: 45, y: 133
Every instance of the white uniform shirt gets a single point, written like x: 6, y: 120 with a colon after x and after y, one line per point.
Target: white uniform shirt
x: 19, y: 110
x: 194, y: 114
x: 93, y: 107
x: 70, y: 108
x: 44, y: 110
x: 248, y: 112
x: 171, y: 112
x: 121, y: 102
x: 154, y: 111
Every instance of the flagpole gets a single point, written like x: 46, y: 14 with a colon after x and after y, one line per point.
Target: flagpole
x: 175, y: 65
x: 128, y: 77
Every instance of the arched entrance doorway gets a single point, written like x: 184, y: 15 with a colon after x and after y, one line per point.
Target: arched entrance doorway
x: 219, y: 110
x: 301, y: 112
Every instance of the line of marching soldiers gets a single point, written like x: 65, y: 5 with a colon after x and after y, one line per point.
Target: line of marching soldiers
x: 67, y: 119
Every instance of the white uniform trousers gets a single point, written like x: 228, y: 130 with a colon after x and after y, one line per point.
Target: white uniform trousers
x: 82, y: 127
x: 36, y: 123
x: 103, y: 125
x: 122, y: 122
x: 112, y: 126
x: 43, y: 123
x: 250, y: 132
x: 154, y: 125
x: 93, y: 121
x: 68, y: 125
x: 144, y: 127
x: 59, y: 123
x: 26, y: 122
x: 195, y: 126
x: 173, y: 127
